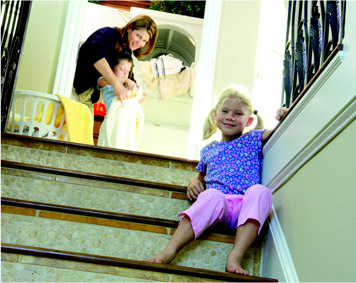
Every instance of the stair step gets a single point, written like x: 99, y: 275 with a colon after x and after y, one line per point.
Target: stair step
x: 92, y: 176
x: 99, y: 202
x: 97, y: 160
x: 8, y: 202
x: 70, y: 188
x: 73, y: 267
x: 49, y: 226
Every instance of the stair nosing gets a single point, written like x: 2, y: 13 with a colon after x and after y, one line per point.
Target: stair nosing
x: 130, y: 263
x: 93, y: 176
x: 107, y: 215
x: 89, y: 212
x: 98, y: 148
x: 113, y: 215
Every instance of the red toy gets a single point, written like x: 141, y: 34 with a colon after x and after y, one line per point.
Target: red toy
x: 99, y: 109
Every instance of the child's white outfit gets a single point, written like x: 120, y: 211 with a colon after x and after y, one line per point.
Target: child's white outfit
x: 233, y: 191
x: 123, y: 124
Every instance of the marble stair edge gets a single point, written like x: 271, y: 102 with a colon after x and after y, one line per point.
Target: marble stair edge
x: 110, y: 237
x: 65, y: 267
x: 97, y: 160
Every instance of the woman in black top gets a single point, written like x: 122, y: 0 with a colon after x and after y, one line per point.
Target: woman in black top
x: 97, y: 57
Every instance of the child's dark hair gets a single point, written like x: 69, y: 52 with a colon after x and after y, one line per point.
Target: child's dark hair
x: 124, y: 55
x: 243, y: 96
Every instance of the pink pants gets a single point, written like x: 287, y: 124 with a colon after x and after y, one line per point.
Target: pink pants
x: 214, y: 207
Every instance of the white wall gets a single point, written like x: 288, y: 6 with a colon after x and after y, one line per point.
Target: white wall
x: 43, y: 39
x: 237, y: 45
x: 267, y: 85
x: 309, y: 164
x: 163, y: 140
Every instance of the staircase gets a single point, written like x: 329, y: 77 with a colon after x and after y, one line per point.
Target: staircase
x: 72, y: 212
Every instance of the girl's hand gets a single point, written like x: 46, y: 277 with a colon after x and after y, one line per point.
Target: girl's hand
x: 142, y: 99
x: 102, y: 82
x: 195, y: 187
x: 281, y: 112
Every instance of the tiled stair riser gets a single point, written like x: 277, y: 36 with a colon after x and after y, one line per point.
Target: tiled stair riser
x: 116, y: 164
x: 22, y: 272
x: 22, y: 268
x: 96, y: 195
x: 46, y: 232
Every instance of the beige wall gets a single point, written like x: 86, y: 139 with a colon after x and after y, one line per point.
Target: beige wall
x: 42, y: 46
x: 235, y: 59
x: 316, y: 209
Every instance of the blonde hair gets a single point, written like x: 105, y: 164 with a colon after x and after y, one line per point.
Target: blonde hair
x: 237, y: 92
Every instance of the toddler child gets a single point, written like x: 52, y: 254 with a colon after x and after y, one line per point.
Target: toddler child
x: 123, y: 124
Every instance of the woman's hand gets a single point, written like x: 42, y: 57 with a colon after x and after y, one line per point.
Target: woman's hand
x: 195, y: 187
x: 104, y: 69
x: 128, y: 86
x: 281, y: 112
x: 131, y: 85
x: 120, y: 90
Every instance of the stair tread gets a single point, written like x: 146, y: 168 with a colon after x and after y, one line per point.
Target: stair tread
x: 107, y: 237
x: 20, y: 182
x: 136, y: 264
x: 93, y: 160
x: 26, y: 139
x: 92, y: 176
x: 106, y: 215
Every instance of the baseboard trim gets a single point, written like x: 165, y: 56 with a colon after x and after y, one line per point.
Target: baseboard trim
x: 284, y: 255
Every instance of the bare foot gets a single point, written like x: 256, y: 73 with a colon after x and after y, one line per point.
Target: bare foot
x: 233, y: 265
x: 165, y: 256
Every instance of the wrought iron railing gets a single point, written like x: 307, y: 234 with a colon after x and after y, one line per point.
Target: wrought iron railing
x: 315, y: 30
x: 14, y: 18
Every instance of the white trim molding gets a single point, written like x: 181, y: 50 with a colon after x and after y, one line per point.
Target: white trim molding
x: 312, y: 123
x: 322, y: 135
x: 205, y: 76
x: 346, y: 116
x: 335, y: 127
x: 69, y: 49
x: 306, y: 99
x: 327, y: 108
x: 282, y: 249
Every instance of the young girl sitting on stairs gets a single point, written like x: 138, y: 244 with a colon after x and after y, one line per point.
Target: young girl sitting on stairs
x: 228, y: 188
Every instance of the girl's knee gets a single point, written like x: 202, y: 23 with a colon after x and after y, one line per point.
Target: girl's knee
x: 213, y: 195
x: 260, y: 191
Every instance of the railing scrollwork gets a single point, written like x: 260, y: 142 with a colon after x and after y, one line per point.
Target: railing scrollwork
x: 307, y: 42
x: 14, y: 19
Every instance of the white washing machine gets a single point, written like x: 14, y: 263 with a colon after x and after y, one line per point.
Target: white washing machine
x: 178, y: 35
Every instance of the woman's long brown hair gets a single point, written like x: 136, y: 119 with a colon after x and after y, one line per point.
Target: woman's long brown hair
x: 138, y: 22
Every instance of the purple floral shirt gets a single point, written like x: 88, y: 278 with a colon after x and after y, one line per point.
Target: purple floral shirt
x: 233, y: 166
